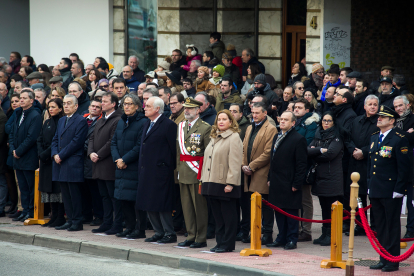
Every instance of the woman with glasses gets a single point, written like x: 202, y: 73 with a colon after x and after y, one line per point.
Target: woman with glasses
x: 326, y: 150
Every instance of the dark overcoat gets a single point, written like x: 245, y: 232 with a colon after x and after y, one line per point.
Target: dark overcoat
x: 87, y: 167
x: 68, y: 144
x: 157, y: 162
x: 44, y: 150
x: 100, y: 143
x: 288, y: 169
x: 126, y: 144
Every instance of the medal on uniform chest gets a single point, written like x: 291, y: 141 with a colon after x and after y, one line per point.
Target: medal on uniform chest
x: 386, y: 151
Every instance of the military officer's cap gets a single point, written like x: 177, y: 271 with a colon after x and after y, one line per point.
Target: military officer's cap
x: 190, y: 102
x: 386, y: 79
x: 388, y: 112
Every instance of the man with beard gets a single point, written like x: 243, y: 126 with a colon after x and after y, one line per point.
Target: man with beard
x: 388, y: 92
x: 263, y: 88
x: 361, y: 93
x: 178, y: 61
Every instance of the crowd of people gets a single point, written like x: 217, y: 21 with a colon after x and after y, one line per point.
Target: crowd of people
x: 185, y: 145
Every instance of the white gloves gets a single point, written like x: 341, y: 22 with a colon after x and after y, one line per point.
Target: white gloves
x: 397, y: 195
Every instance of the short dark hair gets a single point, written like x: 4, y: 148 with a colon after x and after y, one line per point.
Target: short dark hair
x: 17, y: 54
x: 348, y: 96
x: 260, y: 104
x: 80, y: 64
x: 227, y: 79
x: 264, y: 99
x: 347, y: 70
x: 74, y: 55
x: 178, y: 51
x: 364, y: 83
x: 249, y: 52
x: 101, y: 59
x: 29, y: 59
x: 114, y: 98
x: 209, y: 54
x: 180, y: 97
x: 305, y: 102
x: 67, y: 61
x: 399, y: 80
x: 187, y: 80
x: 239, y: 105
x: 95, y: 100
x: 212, y: 100
x: 103, y: 65
x: 16, y: 77
x: 118, y: 80
x: 216, y: 35
x: 166, y: 89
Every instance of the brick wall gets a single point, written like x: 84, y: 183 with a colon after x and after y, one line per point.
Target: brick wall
x: 382, y: 33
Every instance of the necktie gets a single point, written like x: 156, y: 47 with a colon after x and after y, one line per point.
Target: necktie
x: 89, y: 121
x: 67, y: 120
x: 21, y: 119
x: 151, y: 125
x: 189, y: 127
x: 380, y: 138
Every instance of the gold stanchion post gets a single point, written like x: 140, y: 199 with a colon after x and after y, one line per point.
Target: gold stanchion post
x: 353, y: 203
x: 38, y: 205
x: 256, y: 229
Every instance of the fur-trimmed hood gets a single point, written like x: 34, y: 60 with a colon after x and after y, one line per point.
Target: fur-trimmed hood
x: 314, y: 117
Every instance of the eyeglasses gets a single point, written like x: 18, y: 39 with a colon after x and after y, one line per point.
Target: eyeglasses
x: 128, y: 104
x: 327, y: 121
x: 337, y: 94
x: 103, y: 86
x: 301, y: 88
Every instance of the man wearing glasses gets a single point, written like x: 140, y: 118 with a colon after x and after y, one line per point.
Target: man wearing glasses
x: 299, y: 90
x: 178, y: 60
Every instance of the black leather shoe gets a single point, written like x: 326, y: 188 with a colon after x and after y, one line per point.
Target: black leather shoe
x: 246, y: 240
x: 125, y: 233
x: 25, y: 217
x: 65, y: 226
x: 276, y: 244
x: 15, y: 214
x: 290, y: 245
x: 19, y: 217
x: 74, y: 227
x: 185, y: 243
x: 154, y: 238
x: 222, y: 250
x: 12, y: 209
x: 86, y: 220
x: 377, y: 266
x: 101, y: 229
x: 113, y: 231
x: 2, y: 215
x: 214, y: 248
x: 240, y: 236
x: 266, y: 239
x: 389, y: 268
x: 96, y: 222
x: 408, y: 235
x: 211, y: 236
x: 198, y: 245
x: 136, y: 234
x: 168, y: 239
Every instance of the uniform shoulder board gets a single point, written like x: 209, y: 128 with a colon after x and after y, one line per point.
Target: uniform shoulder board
x: 206, y: 123
x: 375, y: 132
x: 399, y: 134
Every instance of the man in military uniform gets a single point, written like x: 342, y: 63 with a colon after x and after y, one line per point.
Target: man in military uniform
x: 388, y: 174
x: 193, y: 137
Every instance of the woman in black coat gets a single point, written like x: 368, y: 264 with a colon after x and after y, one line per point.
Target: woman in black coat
x: 125, y: 147
x: 50, y: 190
x: 298, y: 71
x: 326, y: 150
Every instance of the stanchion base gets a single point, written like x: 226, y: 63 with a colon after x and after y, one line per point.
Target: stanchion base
x: 32, y: 221
x: 257, y: 252
x: 330, y: 264
x: 403, y: 245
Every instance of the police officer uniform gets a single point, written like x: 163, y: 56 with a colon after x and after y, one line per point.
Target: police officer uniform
x: 192, y: 139
x: 388, y: 174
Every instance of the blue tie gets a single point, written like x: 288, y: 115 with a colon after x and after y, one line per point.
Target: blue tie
x: 151, y: 125
x: 380, y: 138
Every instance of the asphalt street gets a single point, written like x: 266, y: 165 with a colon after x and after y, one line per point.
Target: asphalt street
x: 17, y: 259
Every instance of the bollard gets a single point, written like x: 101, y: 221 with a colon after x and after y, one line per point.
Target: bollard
x: 336, y: 238
x: 353, y: 203
x: 38, y: 205
x: 256, y: 229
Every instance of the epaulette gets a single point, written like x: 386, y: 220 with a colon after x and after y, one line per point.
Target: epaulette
x: 375, y: 132
x: 206, y: 123
x: 399, y: 134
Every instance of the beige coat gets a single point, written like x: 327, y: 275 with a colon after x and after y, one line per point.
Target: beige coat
x: 223, y: 159
x: 201, y: 86
x: 260, y: 158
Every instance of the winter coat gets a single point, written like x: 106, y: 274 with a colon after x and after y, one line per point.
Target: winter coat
x: 201, y: 85
x: 113, y: 74
x: 360, y: 133
x: 213, y: 84
x: 234, y: 73
x: 287, y: 170
x: 5, y: 104
x: 167, y: 111
x: 222, y: 103
x: 329, y: 176
x: 222, y: 165
x: 259, y: 161
x: 157, y: 161
x: 65, y: 74
x: 189, y: 60
x: 209, y: 115
x: 218, y: 48
x: 3, y: 142
x: 126, y: 144
x: 359, y: 102
x: 251, y: 61
x: 388, y: 100
x: 292, y: 80
x: 192, y: 76
x: 323, y: 106
x: 83, y: 103
x: 176, y: 66
x: 133, y: 84
x: 87, y: 168
x: 139, y: 75
x: 23, y: 139
x: 100, y: 143
x: 44, y: 150
x: 244, y: 123
x: 266, y: 91
x: 307, y: 126
x: 344, y: 115
x: 239, y: 64
x: 68, y: 144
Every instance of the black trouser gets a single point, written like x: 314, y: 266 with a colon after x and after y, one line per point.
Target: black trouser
x: 91, y: 200
x: 111, y: 205
x: 225, y: 215
x: 134, y: 219
x: 410, y: 207
x: 388, y: 225
x: 267, y: 215
x: 178, y: 218
x: 12, y: 186
x: 72, y: 199
x: 244, y: 205
x: 211, y: 226
x: 326, y: 203
x: 288, y: 227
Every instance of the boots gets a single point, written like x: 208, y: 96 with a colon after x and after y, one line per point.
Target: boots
x: 60, y: 220
x: 318, y: 240
x: 327, y: 240
x: 54, y: 206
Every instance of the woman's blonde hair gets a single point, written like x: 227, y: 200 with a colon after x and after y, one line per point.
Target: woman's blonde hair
x: 234, y: 125
x: 60, y: 91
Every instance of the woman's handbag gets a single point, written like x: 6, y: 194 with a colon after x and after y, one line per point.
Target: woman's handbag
x: 311, y: 175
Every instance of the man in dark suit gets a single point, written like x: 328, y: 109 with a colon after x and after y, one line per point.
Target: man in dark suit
x: 286, y: 175
x: 67, y: 153
x: 388, y: 173
x: 157, y: 161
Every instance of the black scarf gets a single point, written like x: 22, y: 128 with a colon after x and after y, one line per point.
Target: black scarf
x: 400, y: 121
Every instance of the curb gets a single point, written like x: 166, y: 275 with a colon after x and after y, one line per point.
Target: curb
x: 133, y: 255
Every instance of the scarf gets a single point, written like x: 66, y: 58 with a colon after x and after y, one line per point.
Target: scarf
x: 279, y: 140
x: 217, y: 80
x: 175, y: 116
x: 400, y: 121
x: 329, y: 84
x: 318, y: 80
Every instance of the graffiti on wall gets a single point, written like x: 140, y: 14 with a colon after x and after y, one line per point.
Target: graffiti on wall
x: 337, y: 47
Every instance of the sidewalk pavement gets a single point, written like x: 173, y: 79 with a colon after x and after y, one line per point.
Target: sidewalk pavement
x: 305, y: 260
